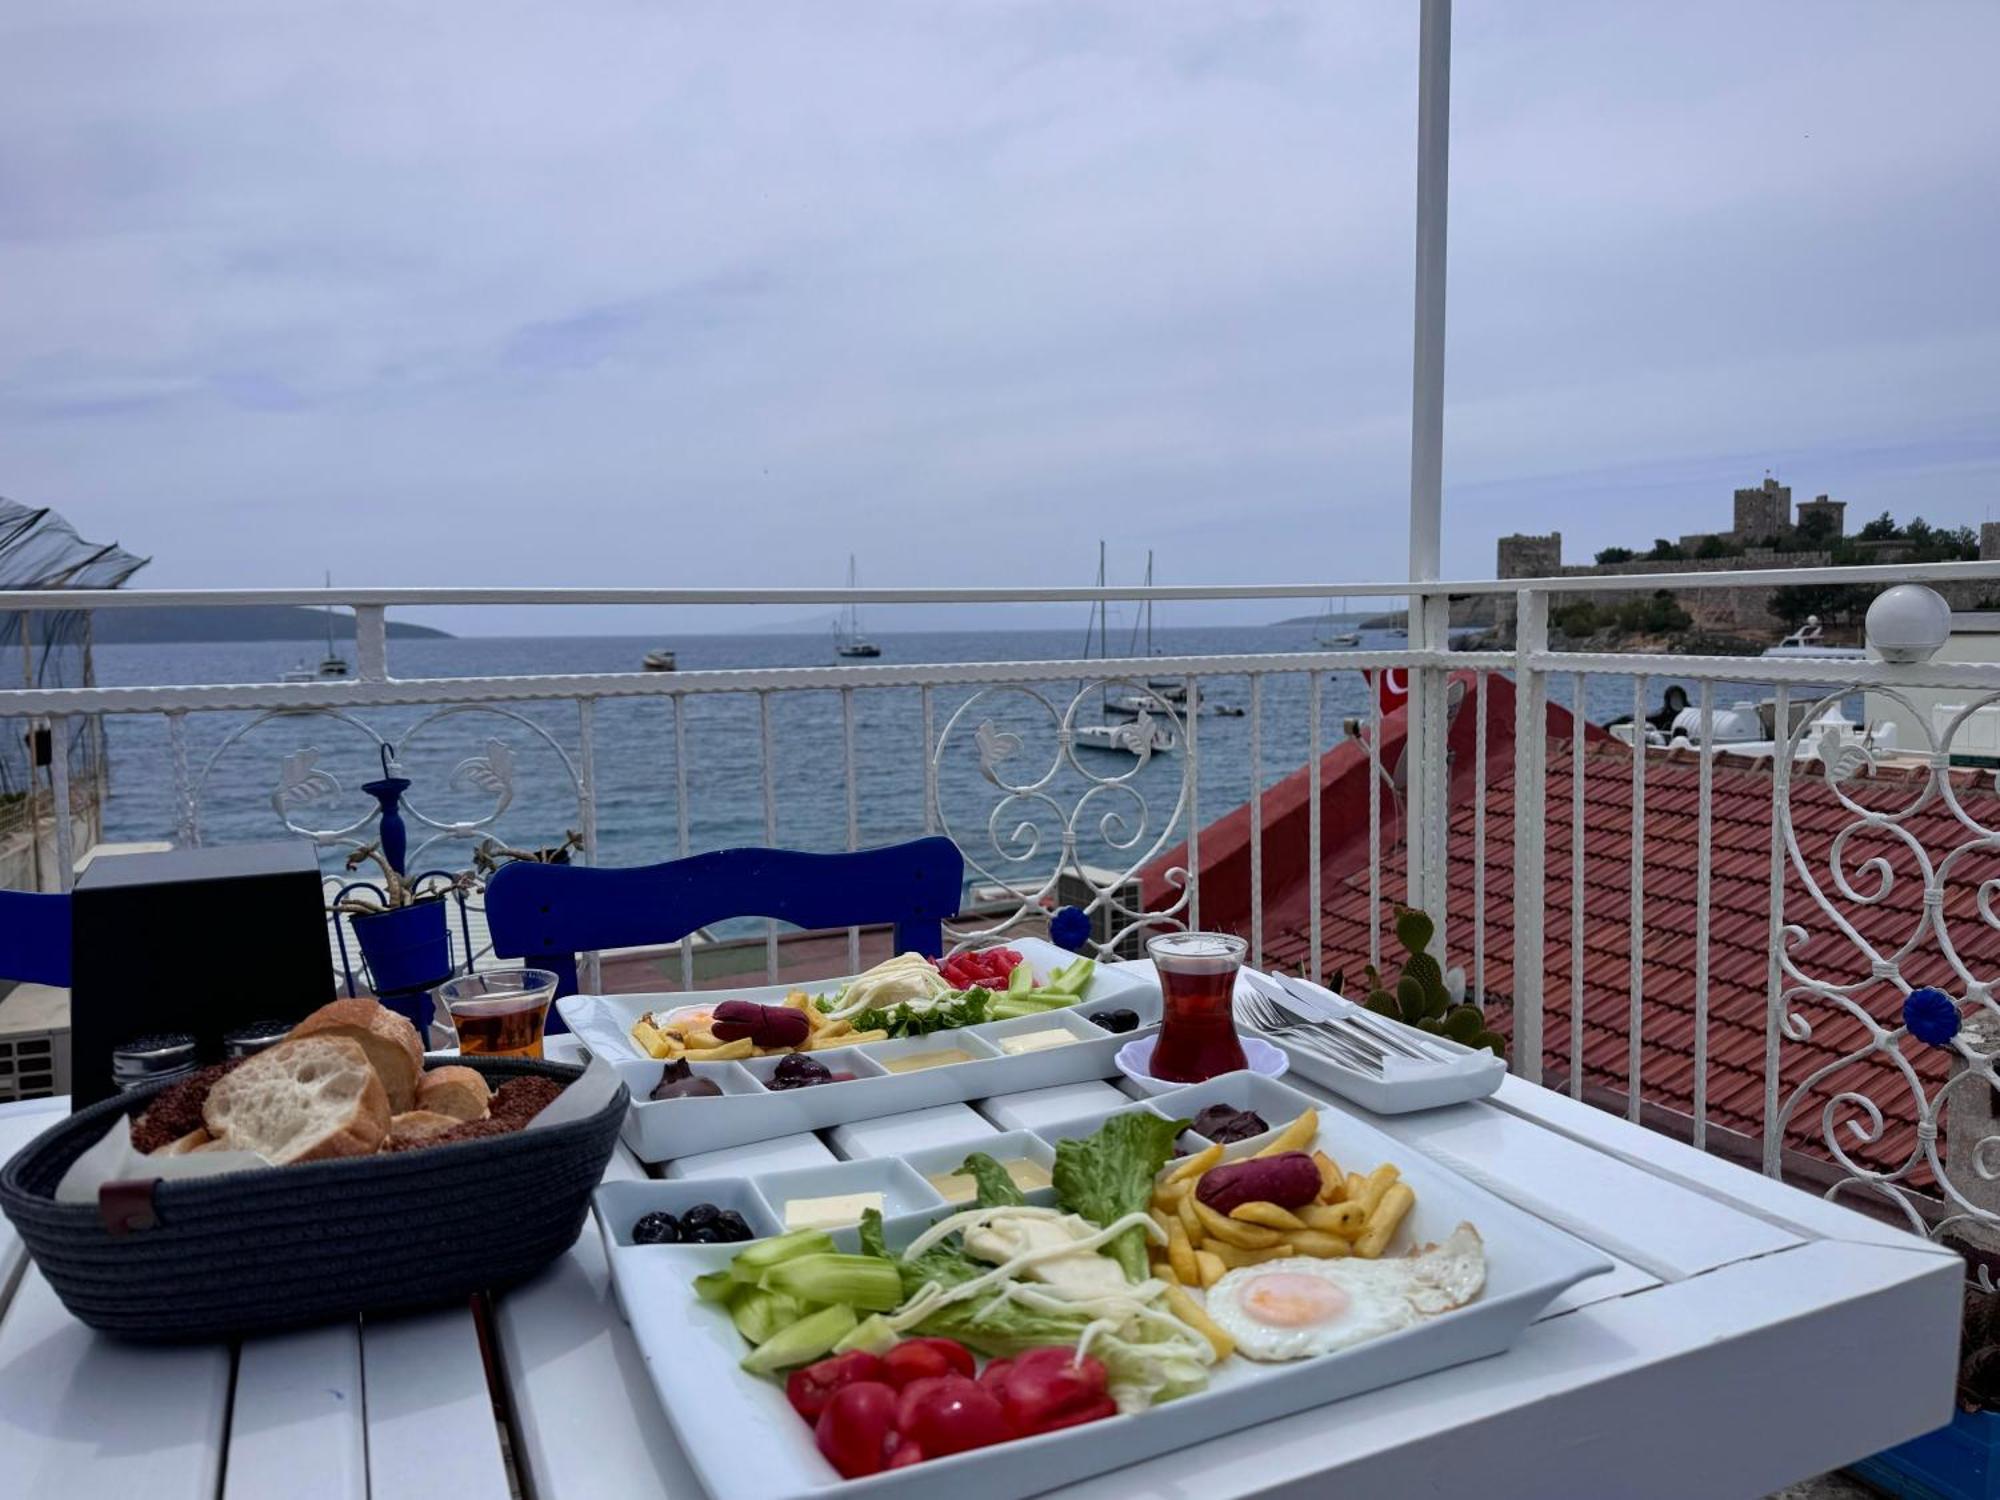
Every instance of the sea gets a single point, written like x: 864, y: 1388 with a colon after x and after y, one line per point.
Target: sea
x: 509, y: 772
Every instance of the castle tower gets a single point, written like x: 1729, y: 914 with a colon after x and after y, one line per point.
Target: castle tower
x: 1763, y: 512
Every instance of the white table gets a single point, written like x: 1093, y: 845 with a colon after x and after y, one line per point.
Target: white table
x: 1750, y: 1336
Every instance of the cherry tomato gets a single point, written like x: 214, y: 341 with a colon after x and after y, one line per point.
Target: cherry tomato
x: 811, y: 1388
x: 949, y: 1414
x: 857, y: 1429
x: 994, y: 1377
x: 919, y: 1359
x: 1046, y: 1389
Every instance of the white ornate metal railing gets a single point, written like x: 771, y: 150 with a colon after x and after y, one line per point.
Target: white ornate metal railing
x: 1844, y: 1094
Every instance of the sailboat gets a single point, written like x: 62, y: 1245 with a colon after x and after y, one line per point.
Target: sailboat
x: 1144, y: 735
x: 1328, y: 632
x: 847, y: 637
x: 333, y: 664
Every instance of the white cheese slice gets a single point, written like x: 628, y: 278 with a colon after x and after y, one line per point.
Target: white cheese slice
x: 835, y: 1212
x: 1036, y: 1041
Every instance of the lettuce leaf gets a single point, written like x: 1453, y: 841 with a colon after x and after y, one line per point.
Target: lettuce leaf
x: 1110, y: 1174
x: 996, y: 1188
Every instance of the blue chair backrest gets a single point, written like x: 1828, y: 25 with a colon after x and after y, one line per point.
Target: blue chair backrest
x: 34, y: 938
x: 547, y: 914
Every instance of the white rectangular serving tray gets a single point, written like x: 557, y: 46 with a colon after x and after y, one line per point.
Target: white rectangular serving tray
x: 660, y: 1129
x: 1406, y: 1084
x: 746, y: 1443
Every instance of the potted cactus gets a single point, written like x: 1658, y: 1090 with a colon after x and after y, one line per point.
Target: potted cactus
x: 1420, y: 996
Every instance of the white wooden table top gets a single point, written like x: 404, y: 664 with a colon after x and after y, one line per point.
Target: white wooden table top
x: 1750, y: 1335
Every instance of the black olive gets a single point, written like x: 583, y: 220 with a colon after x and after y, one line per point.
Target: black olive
x: 701, y: 1216
x: 656, y: 1229
x: 730, y: 1223
x: 709, y: 1236
x: 1114, y: 1020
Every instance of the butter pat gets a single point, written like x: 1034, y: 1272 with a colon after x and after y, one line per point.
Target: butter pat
x: 1036, y: 1041
x: 835, y: 1212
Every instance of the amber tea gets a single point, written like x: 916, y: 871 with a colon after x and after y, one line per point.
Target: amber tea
x: 501, y: 1012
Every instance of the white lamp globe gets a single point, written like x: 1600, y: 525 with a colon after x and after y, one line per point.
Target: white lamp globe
x: 1908, y: 623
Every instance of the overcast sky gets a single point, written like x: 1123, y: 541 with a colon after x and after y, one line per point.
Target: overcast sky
x: 685, y: 294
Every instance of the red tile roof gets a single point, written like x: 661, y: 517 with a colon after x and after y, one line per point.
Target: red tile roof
x: 1828, y: 1039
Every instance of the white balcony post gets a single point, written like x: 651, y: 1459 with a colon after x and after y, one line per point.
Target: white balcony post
x: 1531, y: 689
x: 371, y: 643
x: 1424, y: 802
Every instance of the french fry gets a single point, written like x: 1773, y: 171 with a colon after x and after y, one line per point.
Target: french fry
x: 1344, y: 1219
x: 1387, y: 1218
x: 1312, y: 1242
x: 722, y: 1052
x: 1190, y: 1221
x: 855, y: 1038
x: 1180, y: 1255
x: 1379, y: 1182
x: 1231, y: 1231
x: 836, y: 1028
x: 1295, y: 1136
x: 649, y: 1039
x: 1332, y: 1186
x: 700, y: 1038
x: 1189, y: 1311
x: 1268, y: 1214
x: 1210, y: 1265
x: 1164, y: 1217
x: 800, y: 1000
x: 1171, y: 1192
x: 1164, y: 1269
x: 1195, y: 1165
x: 1233, y: 1257
x: 1356, y: 1185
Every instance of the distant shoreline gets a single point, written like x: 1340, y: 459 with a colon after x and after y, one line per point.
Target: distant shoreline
x: 168, y: 625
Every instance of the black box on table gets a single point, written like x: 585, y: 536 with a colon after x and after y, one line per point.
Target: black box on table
x: 194, y: 940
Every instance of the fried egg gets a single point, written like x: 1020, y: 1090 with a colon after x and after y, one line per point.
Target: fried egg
x: 1300, y: 1306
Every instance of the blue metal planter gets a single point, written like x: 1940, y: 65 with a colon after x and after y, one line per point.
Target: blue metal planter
x: 1960, y: 1461
x: 408, y: 950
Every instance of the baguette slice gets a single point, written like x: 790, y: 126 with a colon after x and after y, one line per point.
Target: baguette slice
x: 310, y: 1099
x: 416, y: 1124
x: 454, y: 1090
x: 391, y: 1042
x: 194, y: 1140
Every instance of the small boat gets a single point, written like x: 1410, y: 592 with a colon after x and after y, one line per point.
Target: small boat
x: 333, y: 664
x: 1144, y: 736
x: 303, y: 672
x: 659, y: 659
x: 847, y: 637
x: 1341, y: 638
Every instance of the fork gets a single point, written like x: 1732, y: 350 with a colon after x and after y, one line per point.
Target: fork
x: 1262, y: 1011
x: 1387, y: 1033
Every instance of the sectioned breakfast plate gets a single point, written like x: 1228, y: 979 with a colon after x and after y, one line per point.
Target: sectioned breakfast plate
x: 746, y: 1443
x: 748, y: 1110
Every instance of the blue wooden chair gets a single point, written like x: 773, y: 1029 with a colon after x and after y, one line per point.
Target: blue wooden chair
x: 546, y: 914
x: 34, y: 938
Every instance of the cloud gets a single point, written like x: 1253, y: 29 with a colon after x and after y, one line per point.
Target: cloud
x: 714, y: 293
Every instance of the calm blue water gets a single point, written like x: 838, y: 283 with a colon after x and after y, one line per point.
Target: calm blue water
x: 635, y: 754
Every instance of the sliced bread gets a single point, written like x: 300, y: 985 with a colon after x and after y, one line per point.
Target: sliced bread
x: 391, y: 1042
x: 454, y: 1090
x: 419, y: 1123
x: 308, y: 1099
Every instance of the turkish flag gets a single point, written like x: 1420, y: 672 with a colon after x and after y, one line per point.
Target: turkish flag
x: 1392, y: 688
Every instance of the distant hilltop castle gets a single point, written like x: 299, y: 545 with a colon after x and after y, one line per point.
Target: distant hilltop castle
x: 1766, y: 533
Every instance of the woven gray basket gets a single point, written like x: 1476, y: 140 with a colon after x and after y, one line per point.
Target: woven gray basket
x: 255, y: 1252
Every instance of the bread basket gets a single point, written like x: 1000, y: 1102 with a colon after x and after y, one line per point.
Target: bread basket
x: 252, y: 1253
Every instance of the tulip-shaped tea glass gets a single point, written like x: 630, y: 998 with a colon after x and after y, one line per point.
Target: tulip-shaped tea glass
x: 1198, y: 983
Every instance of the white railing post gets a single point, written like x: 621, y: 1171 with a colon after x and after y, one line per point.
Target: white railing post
x: 1531, y: 637
x: 59, y: 796
x: 371, y: 643
x: 586, y: 738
